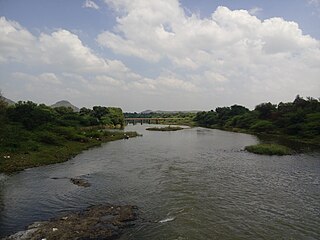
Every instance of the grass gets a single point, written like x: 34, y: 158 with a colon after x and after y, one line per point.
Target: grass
x: 47, y: 154
x: 269, y: 149
x: 164, y: 129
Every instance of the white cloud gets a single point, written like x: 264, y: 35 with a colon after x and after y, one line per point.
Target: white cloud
x: 255, y: 10
x: 58, y: 65
x: 90, y: 4
x: 229, y: 57
x: 316, y: 5
x: 314, y: 2
x: 232, y: 51
x: 43, y: 78
x: 60, y: 51
x: 15, y: 42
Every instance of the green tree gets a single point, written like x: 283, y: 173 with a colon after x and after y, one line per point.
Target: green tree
x: 30, y: 115
x: 265, y: 110
x: 263, y: 126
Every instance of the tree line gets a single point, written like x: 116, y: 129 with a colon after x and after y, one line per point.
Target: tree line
x: 25, y: 126
x: 297, y: 119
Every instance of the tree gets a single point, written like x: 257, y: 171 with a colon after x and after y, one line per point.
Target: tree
x: 265, y: 110
x: 31, y: 115
x: 263, y: 126
x: 299, y: 102
x: 3, y: 108
x: 85, y: 111
x: 99, y: 112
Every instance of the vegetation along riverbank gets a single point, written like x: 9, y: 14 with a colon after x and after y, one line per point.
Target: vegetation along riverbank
x: 32, y: 135
x: 269, y: 149
x: 297, y: 121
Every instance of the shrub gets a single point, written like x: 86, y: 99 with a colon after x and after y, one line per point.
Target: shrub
x: 94, y: 134
x: 262, y: 126
x: 269, y: 149
x: 49, y: 138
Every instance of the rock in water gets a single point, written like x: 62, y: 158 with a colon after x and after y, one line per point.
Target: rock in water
x: 98, y: 222
x: 80, y: 182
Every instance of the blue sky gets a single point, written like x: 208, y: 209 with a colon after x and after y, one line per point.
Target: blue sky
x: 164, y: 54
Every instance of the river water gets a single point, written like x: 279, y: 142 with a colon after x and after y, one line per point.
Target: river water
x: 191, y: 184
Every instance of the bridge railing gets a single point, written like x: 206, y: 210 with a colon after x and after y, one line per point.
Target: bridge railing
x: 147, y: 120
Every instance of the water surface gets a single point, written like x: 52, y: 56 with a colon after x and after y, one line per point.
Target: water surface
x: 191, y: 184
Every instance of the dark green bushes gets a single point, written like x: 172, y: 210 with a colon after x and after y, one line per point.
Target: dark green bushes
x: 269, y: 149
x: 299, y: 119
x: 33, y: 135
x: 27, y: 126
x: 49, y: 138
x: 262, y: 126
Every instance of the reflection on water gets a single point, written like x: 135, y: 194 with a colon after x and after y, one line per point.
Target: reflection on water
x: 191, y: 184
x: 298, y: 147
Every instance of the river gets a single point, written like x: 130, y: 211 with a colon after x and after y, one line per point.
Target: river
x: 191, y: 184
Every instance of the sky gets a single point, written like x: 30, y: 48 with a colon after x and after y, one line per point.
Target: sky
x: 159, y: 54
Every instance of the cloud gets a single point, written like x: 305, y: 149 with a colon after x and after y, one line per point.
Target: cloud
x: 58, y: 65
x: 43, y: 78
x: 316, y: 5
x: 255, y: 10
x: 15, y: 42
x: 314, y: 2
x: 90, y: 4
x: 231, y: 51
x: 185, y: 61
x: 60, y: 51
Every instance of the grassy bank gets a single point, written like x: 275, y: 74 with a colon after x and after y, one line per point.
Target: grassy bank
x: 282, y: 139
x: 269, y: 149
x: 164, y: 129
x: 297, y: 121
x: 33, y: 134
x: 51, y: 153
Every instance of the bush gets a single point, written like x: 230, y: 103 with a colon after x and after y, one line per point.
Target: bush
x: 49, y: 138
x: 262, y: 126
x: 94, y: 134
x: 269, y: 149
x: 12, y: 137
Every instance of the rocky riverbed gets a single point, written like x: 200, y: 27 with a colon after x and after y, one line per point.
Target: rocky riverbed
x: 98, y: 222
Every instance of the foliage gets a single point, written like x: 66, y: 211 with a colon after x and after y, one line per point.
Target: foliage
x: 269, y: 149
x: 27, y: 128
x: 262, y: 126
x: 299, y: 119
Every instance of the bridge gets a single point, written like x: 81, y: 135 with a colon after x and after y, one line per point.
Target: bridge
x: 148, y: 120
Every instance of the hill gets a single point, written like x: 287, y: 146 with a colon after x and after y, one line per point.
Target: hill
x: 65, y: 103
x: 10, y: 102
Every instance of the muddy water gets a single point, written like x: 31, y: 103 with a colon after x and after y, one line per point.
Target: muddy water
x: 190, y: 184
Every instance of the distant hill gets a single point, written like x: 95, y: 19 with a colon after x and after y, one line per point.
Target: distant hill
x: 65, y: 103
x: 146, y: 112
x: 10, y: 102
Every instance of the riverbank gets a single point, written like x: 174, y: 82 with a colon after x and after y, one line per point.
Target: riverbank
x: 50, y: 154
x: 98, y: 222
x: 269, y: 149
x: 301, y: 144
